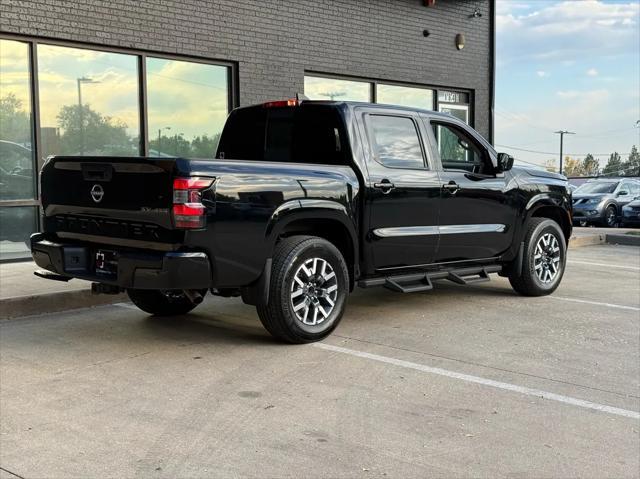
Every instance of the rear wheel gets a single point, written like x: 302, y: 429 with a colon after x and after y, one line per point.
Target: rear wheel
x: 544, y: 259
x: 308, y: 290
x: 162, y: 302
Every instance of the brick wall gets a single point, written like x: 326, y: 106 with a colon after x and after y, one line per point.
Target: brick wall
x: 275, y: 41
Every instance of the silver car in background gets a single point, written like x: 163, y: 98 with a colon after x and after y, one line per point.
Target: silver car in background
x: 600, y: 201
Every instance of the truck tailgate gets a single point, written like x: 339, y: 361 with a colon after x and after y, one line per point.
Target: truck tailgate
x: 113, y: 197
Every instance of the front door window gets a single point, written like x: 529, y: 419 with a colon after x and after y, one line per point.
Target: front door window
x: 458, y: 151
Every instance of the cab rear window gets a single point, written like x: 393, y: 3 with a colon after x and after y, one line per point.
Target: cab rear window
x: 304, y: 134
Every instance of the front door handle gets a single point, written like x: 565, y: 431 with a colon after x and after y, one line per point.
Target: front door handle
x: 385, y: 185
x: 452, y: 187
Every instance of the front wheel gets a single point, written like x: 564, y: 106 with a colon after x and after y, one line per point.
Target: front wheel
x: 545, y: 255
x: 610, y: 217
x: 162, y: 302
x: 308, y: 290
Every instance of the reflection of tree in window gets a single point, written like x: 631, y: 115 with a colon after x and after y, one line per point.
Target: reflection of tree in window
x: 16, y: 155
x: 188, y: 103
x: 89, y: 102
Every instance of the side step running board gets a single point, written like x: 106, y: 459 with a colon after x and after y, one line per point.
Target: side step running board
x: 43, y: 273
x: 416, y: 282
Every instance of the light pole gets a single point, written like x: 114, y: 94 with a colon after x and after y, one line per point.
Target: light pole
x: 159, y: 136
x: 80, y: 81
x: 562, y: 133
x: 333, y: 94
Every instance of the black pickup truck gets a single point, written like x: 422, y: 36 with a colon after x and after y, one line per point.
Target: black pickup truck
x: 304, y: 201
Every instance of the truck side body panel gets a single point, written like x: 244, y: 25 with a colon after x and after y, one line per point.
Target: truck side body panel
x: 252, y: 197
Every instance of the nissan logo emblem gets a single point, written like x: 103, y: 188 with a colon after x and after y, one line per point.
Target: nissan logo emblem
x: 97, y: 193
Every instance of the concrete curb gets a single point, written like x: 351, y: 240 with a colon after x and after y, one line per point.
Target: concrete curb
x: 622, y: 239
x: 587, y: 240
x: 30, y: 305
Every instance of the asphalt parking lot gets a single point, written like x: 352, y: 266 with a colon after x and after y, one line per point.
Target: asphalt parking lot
x: 464, y: 381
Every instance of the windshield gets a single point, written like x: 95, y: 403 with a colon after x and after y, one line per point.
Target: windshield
x: 597, y: 187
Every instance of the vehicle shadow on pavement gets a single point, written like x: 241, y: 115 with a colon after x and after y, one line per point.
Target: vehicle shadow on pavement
x: 205, y: 328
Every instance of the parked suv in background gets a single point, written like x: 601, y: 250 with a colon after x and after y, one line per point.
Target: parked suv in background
x: 600, y: 201
x: 631, y: 213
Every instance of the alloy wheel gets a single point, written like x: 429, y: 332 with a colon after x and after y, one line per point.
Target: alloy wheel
x: 546, y: 258
x: 611, y: 217
x: 314, y: 291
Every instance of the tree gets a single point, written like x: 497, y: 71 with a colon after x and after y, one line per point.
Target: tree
x: 572, y: 167
x: 631, y: 167
x: 614, y: 165
x: 590, y: 166
x: 205, y: 146
x: 87, y: 131
x: 15, y: 122
x: 550, y: 165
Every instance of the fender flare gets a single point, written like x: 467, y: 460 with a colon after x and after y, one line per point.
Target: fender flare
x: 304, y: 209
x: 285, y: 214
x: 545, y: 200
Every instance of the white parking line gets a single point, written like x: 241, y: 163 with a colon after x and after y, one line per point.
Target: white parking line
x: 486, y: 382
x: 631, y: 268
x: 597, y: 303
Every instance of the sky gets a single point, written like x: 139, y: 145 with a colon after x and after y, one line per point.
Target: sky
x: 567, y: 65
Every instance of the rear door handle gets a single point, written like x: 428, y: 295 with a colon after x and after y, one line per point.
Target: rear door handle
x: 451, y: 187
x: 385, y: 185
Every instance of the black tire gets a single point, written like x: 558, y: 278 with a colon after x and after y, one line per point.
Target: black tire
x: 162, y: 303
x: 280, y: 317
x: 529, y: 282
x: 610, y: 218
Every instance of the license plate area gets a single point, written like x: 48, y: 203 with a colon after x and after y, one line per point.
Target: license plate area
x: 106, y: 263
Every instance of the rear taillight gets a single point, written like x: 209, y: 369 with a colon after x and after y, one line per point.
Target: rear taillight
x: 188, y: 210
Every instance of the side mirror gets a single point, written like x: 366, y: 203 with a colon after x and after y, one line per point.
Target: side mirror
x: 622, y: 193
x: 505, y: 162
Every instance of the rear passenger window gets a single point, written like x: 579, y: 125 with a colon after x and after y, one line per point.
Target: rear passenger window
x: 395, y: 141
x: 303, y: 134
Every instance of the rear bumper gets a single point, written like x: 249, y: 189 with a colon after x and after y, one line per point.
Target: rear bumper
x: 134, y: 269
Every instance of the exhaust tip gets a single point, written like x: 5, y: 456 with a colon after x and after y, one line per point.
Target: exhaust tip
x: 194, y: 296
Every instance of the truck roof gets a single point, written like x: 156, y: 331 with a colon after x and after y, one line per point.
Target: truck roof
x: 342, y: 104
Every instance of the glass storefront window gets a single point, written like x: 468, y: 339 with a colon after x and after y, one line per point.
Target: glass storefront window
x: 89, y: 102
x: 16, y: 225
x: 188, y: 104
x: 454, y: 103
x: 319, y: 88
x: 404, y: 96
x: 16, y: 155
x: 461, y: 112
